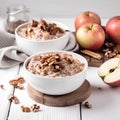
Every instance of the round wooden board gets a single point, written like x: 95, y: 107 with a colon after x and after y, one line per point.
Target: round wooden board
x: 75, y: 97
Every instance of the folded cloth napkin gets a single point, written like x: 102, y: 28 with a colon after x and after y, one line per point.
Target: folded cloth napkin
x: 11, y: 55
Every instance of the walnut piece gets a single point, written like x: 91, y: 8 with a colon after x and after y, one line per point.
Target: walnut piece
x: 17, y: 83
x: 25, y: 108
x: 87, y: 105
x: 111, y: 50
x: 35, y: 108
x: 13, y: 99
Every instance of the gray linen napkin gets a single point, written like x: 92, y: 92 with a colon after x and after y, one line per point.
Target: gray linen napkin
x: 11, y: 55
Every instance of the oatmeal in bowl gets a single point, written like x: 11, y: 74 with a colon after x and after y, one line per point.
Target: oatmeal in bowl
x: 41, y: 31
x: 54, y: 65
x: 36, y: 36
x: 55, y: 72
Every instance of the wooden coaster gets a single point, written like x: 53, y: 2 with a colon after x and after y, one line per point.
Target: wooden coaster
x: 75, y: 97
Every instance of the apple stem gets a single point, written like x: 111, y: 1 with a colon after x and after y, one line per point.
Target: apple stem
x: 90, y: 27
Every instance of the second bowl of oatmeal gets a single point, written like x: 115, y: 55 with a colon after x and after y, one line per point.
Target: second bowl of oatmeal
x: 55, y: 72
x: 37, y: 36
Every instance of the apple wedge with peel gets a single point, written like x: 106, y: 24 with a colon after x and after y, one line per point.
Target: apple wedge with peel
x: 109, y: 71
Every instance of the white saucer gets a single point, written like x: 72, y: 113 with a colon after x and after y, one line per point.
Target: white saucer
x: 72, y: 44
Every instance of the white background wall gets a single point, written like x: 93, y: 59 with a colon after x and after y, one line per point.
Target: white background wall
x: 65, y: 8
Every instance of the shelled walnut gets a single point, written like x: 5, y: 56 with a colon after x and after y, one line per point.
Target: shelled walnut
x: 13, y: 99
x: 17, y: 83
x: 25, y: 108
x: 111, y: 50
x: 87, y: 105
x: 35, y: 108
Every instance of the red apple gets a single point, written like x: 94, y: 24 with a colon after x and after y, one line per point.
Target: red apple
x: 113, y: 29
x: 90, y: 36
x: 86, y: 17
x: 109, y: 72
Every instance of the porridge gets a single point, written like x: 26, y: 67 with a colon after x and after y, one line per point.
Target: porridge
x: 41, y: 30
x: 54, y: 64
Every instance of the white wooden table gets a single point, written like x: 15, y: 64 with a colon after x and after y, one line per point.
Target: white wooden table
x: 105, y: 102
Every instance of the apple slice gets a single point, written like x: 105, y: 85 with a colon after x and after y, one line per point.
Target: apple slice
x: 109, y: 71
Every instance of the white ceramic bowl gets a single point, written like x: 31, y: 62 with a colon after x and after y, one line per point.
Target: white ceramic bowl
x: 56, y: 86
x: 30, y: 46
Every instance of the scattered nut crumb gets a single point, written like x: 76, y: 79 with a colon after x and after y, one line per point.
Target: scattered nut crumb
x: 17, y: 83
x: 13, y: 99
x: 99, y: 88
x: 1, y: 86
x: 87, y: 105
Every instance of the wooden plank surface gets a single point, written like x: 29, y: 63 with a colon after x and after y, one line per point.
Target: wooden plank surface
x: 5, y: 76
x: 45, y: 113
x: 105, y: 100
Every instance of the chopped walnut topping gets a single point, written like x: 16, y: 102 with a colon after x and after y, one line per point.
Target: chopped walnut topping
x: 41, y: 30
x: 55, y: 65
x: 34, y: 23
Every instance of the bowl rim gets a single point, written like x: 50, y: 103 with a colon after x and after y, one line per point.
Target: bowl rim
x: 67, y: 31
x: 78, y: 56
